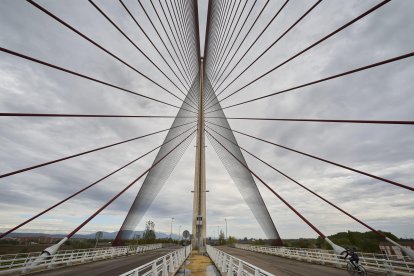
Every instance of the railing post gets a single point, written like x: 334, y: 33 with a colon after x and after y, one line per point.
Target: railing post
x: 218, y: 259
x: 230, y: 269
x: 164, y: 267
x: 338, y: 261
x: 176, y: 263
x: 177, y: 256
x: 52, y: 261
x: 180, y: 256
x: 171, y: 268
x: 221, y: 257
x: 215, y: 254
x: 322, y: 257
x: 154, y: 268
x: 224, y: 266
x: 240, y: 269
x: 25, y: 261
x: 388, y: 269
x: 70, y: 259
x: 308, y: 257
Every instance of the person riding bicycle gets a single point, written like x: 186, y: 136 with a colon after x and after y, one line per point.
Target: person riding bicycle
x: 353, y: 257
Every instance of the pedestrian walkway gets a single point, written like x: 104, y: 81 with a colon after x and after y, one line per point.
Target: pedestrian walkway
x: 198, y: 264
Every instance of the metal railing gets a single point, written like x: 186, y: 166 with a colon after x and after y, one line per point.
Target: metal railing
x: 21, y: 263
x: 165, y: 265
x: 226, y: 263
x: 372, y: 262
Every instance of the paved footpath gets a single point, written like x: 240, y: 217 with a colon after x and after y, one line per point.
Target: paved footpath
x: 282, y: 266
x: 110, y: 267
x: 198, y: 265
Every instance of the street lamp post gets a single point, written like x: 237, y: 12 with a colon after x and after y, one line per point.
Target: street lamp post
x: 226, y: 228
x: 172, y: 219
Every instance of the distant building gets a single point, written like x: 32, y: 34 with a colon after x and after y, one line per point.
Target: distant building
x: 390, y: 249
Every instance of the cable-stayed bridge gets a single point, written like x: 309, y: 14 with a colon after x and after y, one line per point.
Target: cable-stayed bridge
x: 199, y: 65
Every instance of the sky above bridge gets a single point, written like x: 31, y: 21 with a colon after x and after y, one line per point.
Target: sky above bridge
x: 382, y: 93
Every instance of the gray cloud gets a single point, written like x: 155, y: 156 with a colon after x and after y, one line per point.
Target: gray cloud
x: 381, y: 93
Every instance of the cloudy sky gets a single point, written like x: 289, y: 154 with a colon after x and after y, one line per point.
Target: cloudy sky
x: 383, y: 93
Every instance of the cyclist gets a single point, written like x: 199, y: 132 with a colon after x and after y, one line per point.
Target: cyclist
x: 353, y: 257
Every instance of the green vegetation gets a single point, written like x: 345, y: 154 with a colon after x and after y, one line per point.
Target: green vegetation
x: 231, y: 240
x: 366, y: 242
x: 259, y: 242
x: 149, y: 236
x: 78, y: 244
x: 9, y: 241
x: 301, y: 243
x: 149, y: 233
x: 222, y: 239
x: 151, y: 241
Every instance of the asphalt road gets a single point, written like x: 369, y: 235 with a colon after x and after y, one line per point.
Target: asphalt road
x: 282, y: 266
x: 110, y: 267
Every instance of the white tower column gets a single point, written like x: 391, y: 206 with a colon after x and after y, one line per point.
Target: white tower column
x: 199, y: 203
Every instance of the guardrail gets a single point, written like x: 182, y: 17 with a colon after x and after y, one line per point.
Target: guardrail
x: 165, y: 265
x: 372, y: 262
x: 228, y: 264
x: 21, y: 263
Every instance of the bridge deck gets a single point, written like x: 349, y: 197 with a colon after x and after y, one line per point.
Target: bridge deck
x: 110, y: 267
x: 282, y: 266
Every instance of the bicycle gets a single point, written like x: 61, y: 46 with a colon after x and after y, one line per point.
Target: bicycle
x: 352, y: 269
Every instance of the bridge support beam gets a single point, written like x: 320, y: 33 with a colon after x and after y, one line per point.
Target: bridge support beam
x: 45, y: 254
x: 199, y: 204
x: 336, y: 248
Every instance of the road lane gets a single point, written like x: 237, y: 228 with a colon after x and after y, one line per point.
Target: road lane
x: 282, y: 266
x: 110, y: 267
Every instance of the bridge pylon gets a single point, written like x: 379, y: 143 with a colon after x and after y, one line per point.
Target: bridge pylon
x: 199, y: 204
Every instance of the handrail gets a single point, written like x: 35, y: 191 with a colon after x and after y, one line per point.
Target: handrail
x: 12, y: 263
x: 167, y: 264
x: 371, y: 262
x: 226, y: 263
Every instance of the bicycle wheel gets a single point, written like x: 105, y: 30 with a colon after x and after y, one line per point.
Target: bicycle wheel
x: 362, y: 270
x: 350, y: 268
